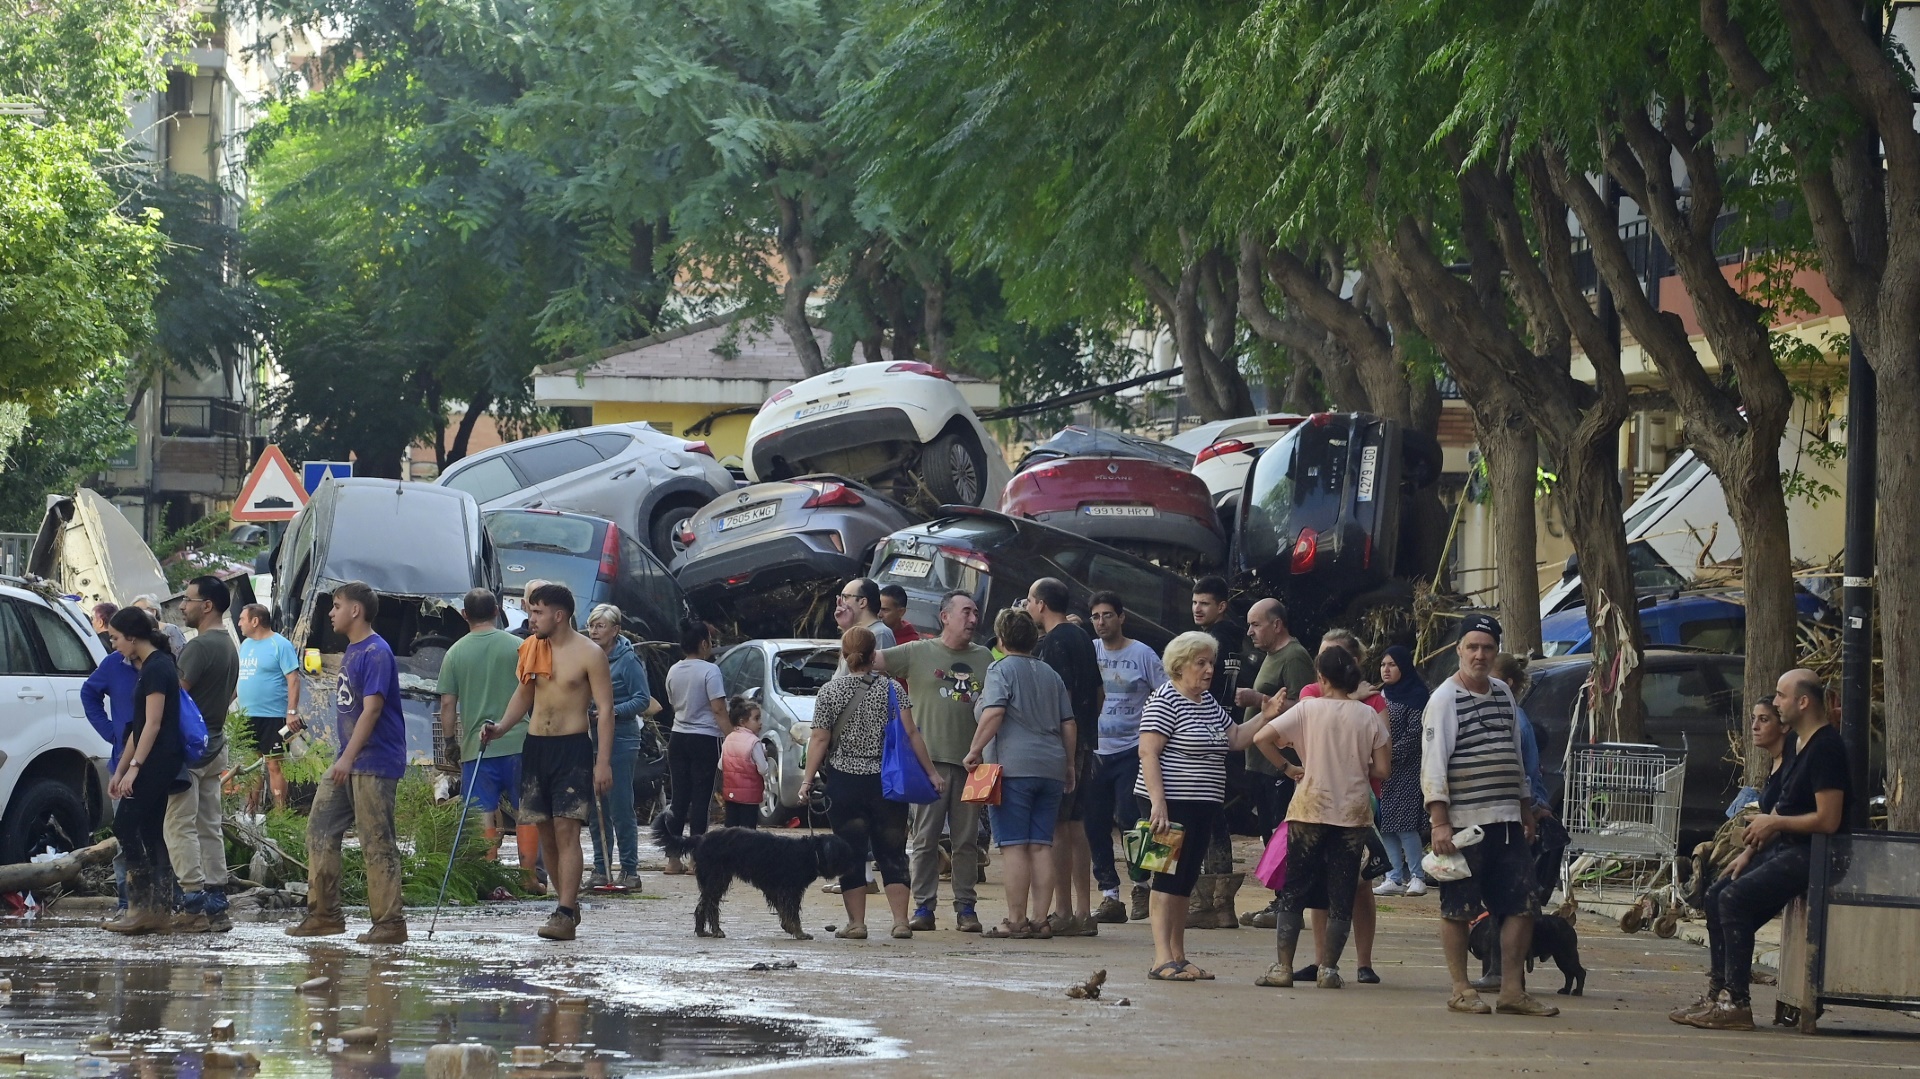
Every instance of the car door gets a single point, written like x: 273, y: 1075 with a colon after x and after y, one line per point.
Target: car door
x: 744, y: 671
x: 63, y: 655
x: 27, y: 698
x: 566, y: 474
x: 1690, y: 703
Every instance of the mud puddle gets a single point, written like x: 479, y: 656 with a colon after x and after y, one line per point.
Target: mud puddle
x: 155, y: 1018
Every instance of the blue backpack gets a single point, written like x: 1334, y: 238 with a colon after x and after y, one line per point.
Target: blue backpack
x: 193, y: 730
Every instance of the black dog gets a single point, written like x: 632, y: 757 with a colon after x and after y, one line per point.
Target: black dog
x: 1553, y: 938
x: 782, y: 867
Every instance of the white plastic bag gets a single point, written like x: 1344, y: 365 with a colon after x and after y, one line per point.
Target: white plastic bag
x: 1452, y: 867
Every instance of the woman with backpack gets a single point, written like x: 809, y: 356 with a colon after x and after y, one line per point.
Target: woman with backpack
x: 152, y: 763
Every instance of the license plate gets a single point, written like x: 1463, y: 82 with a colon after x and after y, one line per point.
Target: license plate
x: 824, y: 406
x: 910, y: 567
x: 512, y: 602
x: 1120, y: 511
x: 1369, y: 466
x: 746, y: 517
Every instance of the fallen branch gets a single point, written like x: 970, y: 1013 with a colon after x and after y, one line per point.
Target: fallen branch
x: 258, y: 839
x: 33, y: 876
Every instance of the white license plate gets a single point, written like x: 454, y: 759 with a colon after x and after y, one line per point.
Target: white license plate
x: 1120, y: 511
x: 747, y: 517
x: 911, y: 567
x: 512, y: 602
x: 824, y: 406
x: 1369, y: 467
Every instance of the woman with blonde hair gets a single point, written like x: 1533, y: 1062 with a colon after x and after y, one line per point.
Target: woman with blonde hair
x: 614, y: 812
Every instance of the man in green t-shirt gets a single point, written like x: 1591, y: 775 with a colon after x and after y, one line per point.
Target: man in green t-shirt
x: 944, y: 675
x: 477, y: 679
x: 1286, y: 668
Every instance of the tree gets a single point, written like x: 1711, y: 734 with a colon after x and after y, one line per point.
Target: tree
x: 77, y: 432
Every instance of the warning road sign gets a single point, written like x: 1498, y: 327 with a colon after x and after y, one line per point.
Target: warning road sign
x: 273, y: 491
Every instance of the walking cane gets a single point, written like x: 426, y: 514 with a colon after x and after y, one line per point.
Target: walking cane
x: 466, y: 796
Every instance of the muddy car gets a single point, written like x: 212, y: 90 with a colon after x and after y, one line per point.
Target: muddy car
x: 1339, y: 516
x: 768, y: 557
x: 1074, y: 440
x: 420, y: 547
x: 90, y: 548
x: 596, y: 559
x: 1160, y: 513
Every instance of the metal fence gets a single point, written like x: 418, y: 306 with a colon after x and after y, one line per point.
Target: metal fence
x: 15, y: 547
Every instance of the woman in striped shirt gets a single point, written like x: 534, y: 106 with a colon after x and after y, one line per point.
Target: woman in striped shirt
x: 1185, y: 737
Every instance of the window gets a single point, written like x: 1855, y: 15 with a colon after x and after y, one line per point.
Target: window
x: 1139, y: 585
x: 486, y: 480
x: 1683, y: 694
x: 742, y: 670
x: 549, y: 459
x: 16, y: 651
x: 1715, y: 634
x: 608, y: 444
x: 64, y: 649
x: 511, y: 530
x: 801, y: 672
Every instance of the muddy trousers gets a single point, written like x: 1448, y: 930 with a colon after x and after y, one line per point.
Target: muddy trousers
x: 1737, y: 908
x: 195, y: 842
x: 139, y: 822
x: 364, y: 804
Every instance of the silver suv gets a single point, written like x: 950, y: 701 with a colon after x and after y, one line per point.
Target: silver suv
x: 644, y: 481
x: 53, y: 765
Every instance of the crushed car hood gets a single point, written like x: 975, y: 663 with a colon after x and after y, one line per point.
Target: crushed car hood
x: 89, y: 547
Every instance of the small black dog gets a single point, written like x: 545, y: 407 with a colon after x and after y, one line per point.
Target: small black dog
x: 1553, y: 938
x: 782, y: 867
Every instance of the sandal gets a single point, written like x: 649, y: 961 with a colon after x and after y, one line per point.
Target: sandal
x: 903, y: 931
x: 1040, y: 930
x: 1198, y: 974
x: 1469, y: 1004
x: 855, y: 931
x: 1173, y: 971
x: 1006, y: 930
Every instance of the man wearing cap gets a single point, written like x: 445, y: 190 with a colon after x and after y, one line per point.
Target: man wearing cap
x: 1471, y: 775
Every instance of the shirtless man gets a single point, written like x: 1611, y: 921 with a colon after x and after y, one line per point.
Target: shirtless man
x: 559, y: 670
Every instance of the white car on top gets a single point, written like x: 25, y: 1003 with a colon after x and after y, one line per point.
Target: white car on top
x: 902, y: 425
x: 1224, y: 450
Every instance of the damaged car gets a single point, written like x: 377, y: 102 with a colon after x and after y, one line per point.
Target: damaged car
x: 596, y: 559
x: 90, y: 548
x: 1158, y: 512
x: 421, y: 548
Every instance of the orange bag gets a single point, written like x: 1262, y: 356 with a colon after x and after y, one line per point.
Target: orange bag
x: 983, y: 785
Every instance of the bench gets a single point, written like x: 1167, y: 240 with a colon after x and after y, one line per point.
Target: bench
x: 1854, y: 938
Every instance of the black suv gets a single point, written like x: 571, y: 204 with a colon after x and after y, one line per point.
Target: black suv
x: 1337, y: 515
x: 996, y: 558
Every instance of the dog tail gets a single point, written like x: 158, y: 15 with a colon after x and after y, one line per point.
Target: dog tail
x: 668, y: 835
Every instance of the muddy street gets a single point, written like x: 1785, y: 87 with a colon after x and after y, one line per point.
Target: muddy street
x: 639, y: 994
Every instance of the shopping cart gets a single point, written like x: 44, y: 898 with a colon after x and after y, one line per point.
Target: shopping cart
x: 1622, y: 813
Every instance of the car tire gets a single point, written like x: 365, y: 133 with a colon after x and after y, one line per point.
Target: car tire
x: 773, y: 812
x: 955, y: 468
x: 45, y: 812
x: 663, y: 534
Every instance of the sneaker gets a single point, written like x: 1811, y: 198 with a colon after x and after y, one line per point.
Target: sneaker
x: 597, y: 882
x: 1389, y: 887
x: 1486, y: 982
x: 1276, y: 977
x: 629, y: 881
x: 966, y: 921
x: 219, y: 922
x: 1329, y: 978
x: 136, y: 922
x: 1526, y: 1005
x: 1137, y: 911
x: 559, y: 926
x: 1111, y: 911
x: 1416, y: 886
x: 1088, y: 926
x: 188, y: 921
x: 1308, y: 973
x: 1704, y: 1004
x: 1724, y: 1016
x: 388, y: 933
x: 922, y: 918
x: 313, y: 926
x: 831, y: 889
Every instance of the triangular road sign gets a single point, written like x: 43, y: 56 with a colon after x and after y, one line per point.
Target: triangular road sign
x: 273, y: 491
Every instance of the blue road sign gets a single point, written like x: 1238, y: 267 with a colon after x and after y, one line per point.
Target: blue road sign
x: 314, y: 473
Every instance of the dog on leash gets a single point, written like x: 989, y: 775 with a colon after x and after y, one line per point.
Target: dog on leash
x: 782, y: 867
x: 1553, y: 938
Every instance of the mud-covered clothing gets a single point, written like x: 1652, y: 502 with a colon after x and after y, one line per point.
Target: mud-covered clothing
x: 556, y: 777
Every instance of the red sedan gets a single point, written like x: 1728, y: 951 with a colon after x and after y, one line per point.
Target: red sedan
x: 1158, y: 512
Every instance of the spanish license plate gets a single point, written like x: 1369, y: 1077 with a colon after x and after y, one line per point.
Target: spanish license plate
x: 746, y: 517
x: 911, y: 567
x: 824, y: 406
x: 1120, y: 511
x: 1369, y: 467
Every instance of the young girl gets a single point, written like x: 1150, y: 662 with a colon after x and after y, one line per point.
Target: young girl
x: 743, y: 764
x: 150, y: 768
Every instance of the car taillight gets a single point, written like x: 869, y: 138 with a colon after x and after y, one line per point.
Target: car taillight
x: 914, y: 367
x: 1320, y: 419
x: 832, y: 494
x: 1305, y: 550
x: 700, y: 448
x: 1284, y: 421
x: 967, y: 557
x: 686, y: 537
x: 1221, y: 449
x: 777, y: 398
x: 610, y: 553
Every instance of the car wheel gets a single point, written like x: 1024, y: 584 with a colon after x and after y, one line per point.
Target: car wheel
x: 955, y: 469
x: 664, y: 534
x: 773, y: 813
x: 45, y: 813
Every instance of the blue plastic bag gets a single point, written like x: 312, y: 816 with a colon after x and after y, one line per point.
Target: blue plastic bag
x: 901, y: 777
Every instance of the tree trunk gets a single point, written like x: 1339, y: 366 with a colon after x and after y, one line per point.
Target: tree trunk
x: 1897, y: 578
x: 463, y: 435
x: 1766, y: 552
x: 933, y: 317
x: 1590, y: 486
x: 801, y: 259
x: 1512, y: 453
x: 29, y: 876
x: 1204, y: 312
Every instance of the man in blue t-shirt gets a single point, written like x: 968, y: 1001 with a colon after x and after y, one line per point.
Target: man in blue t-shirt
x: 268, y: 695
x: 358, y: 791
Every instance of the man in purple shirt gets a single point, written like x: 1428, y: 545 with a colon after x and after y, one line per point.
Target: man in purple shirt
x: 358, y: 791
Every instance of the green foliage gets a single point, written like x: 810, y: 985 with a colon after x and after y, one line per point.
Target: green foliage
x: 78, y: 432
x: 426, y: 830
x: 198, y: 547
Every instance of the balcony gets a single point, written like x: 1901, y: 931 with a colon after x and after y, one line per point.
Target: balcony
x: 204, y: 417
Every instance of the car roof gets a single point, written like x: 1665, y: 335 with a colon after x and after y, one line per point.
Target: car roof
x: 1195, y: 439
x: 1663, y: 656
x: 783, y: 643
x: 640, y: 429
x: 485, y: 514
x: 360, y: 546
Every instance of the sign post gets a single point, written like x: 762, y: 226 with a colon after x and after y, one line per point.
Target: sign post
x: 272, y: 492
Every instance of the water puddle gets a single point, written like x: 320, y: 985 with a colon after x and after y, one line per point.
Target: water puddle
x: 154, y: 1018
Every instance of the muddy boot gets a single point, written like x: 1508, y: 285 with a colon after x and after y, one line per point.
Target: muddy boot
x: 316, y: 925
x: 1111, y: 911
x: 560, y: 925
x: 192, y: 915
x: 146, y: 913
x: 217, y: 919
x: 1224, y: 888
x: 385, y: 933
x: 1200, y: 903
x: 1137, y: 910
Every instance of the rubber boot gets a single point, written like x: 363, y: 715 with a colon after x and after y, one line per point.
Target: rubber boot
x: 1137, y: 899
x: 1200, y: 903
x: 1223, y: 893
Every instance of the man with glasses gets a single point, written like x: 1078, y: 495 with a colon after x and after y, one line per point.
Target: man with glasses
x: 858, y: 604
x: 210, y: 673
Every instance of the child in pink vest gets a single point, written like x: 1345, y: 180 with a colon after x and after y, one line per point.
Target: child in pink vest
x: 743, y: 765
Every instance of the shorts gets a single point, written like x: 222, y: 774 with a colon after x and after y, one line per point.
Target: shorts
x: 1029, y: 806
x: 266, y: 734
x: 556, y: 778
x: 1502, y: 880
x: 495, y: 780
x: 1072, y: 808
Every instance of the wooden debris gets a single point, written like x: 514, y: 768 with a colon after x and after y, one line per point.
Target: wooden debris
x: 1089, y: 989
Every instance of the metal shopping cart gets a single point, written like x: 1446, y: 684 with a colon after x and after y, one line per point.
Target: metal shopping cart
x: 1622, y: 813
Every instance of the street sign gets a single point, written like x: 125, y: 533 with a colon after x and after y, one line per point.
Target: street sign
x: 315, y: 473
x: 272, y: 491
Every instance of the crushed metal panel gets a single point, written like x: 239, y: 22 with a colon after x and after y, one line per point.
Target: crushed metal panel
x: 93, y: 551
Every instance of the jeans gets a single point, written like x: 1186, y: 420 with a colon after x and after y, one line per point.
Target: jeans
x: 364, y: 804
x: 693, y: 761
x: 617, y: 807
x: 1109, y: 805
x: 1404, y: 850
x: 962, y: 820
x: 1736, y: 908
x: 194, y: 838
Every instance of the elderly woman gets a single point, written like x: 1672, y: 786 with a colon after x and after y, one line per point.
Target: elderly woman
x: 850, y: 717
x: 614, y: 811
x: 1185, y: 737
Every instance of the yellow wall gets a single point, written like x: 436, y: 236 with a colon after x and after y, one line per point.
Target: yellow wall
x: 728, y: 437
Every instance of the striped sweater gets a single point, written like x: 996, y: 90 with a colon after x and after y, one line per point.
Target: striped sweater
x: 1470, y: 754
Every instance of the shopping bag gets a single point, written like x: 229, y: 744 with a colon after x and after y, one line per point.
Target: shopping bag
x: 1272, y: 870
x: 901, y: 777
x: 983, y: 785
x: 1154, y: 853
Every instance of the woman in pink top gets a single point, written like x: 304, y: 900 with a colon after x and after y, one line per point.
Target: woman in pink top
x: 1343, y: 748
